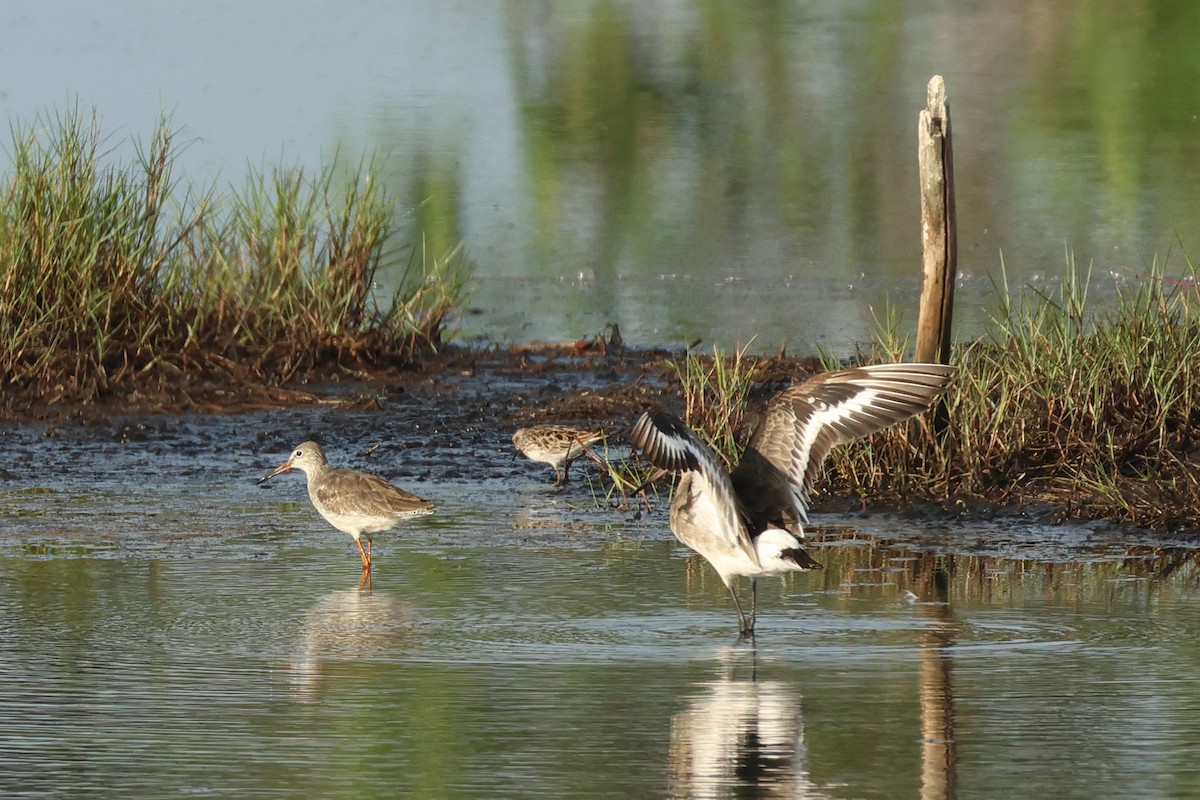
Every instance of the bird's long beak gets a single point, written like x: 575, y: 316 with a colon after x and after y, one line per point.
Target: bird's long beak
x: 284, y: 467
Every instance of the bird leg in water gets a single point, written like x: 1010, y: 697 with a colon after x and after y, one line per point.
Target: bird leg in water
x: 753, y: 603
x: 365, y: 555
x: 742, y: 626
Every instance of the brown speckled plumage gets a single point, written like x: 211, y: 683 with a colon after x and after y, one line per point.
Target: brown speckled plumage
x: 356, y: 503
x: 556, y: 445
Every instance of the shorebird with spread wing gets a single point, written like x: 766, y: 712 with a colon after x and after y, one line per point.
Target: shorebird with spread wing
x: 748, y: 522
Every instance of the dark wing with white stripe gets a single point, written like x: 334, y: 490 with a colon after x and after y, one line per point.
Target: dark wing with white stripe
x: 667, y: 443
x: 803, y: 423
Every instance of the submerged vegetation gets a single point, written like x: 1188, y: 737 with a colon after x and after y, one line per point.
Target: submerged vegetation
x: 1088, y: 412
x: 113, y: 271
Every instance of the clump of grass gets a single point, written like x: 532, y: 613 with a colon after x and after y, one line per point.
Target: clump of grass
x: 621, y: 480
x: 1093, y: 410
x: 715, y: 392
x: 115, y: 272
x: 82, y: 246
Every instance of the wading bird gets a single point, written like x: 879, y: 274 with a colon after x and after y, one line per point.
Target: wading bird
x: 357, y: 503
x: 749, y: 522
x: 556, y: 445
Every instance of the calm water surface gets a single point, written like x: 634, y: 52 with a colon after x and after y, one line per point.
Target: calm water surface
x: 684, y: 169
x: 171, y: 629
x: 723, y: 171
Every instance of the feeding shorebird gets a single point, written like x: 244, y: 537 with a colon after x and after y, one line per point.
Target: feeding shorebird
x: 356, y: 503
x: 556, y: 445
x: 749, y: 522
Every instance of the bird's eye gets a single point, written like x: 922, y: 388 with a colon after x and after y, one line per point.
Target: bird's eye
x: 299, y: 453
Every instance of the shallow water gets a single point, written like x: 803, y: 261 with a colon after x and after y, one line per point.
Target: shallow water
x: 170, y: 629
x: 725, y: 171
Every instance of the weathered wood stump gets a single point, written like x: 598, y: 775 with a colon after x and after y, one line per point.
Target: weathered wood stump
x: 939, y: 238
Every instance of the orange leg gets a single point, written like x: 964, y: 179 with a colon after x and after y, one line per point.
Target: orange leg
x: 365, y: 555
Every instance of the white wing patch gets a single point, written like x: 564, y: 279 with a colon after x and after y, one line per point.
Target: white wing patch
x: 821, y: 422
x: 802, y: 424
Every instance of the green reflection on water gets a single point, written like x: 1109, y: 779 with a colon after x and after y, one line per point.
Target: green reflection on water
x: 474, y: 671
x: 774, y: 143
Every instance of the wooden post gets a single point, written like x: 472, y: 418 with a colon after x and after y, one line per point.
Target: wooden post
x: 939, y: 239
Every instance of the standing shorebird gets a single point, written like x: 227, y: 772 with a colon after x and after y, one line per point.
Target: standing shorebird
x: 556, y: 445
x: 356, y: 503
x: 748, y: 522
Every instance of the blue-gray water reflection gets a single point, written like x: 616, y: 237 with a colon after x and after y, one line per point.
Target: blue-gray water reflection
x: 537, y: 646
x: 686, y: 170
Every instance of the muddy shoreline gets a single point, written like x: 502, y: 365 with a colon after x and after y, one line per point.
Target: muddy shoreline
x: 591, y: 382
x: 449, y: 417
x: 512, y: 373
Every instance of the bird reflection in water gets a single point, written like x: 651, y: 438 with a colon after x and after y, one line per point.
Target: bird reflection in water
x: 345, y: 626
x: 740, y: 737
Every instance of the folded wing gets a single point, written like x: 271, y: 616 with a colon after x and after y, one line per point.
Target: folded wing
x: 346, y: 492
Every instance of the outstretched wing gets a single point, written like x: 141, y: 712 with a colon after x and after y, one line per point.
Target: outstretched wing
x: 803, y: 423
x: 707, y: 504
